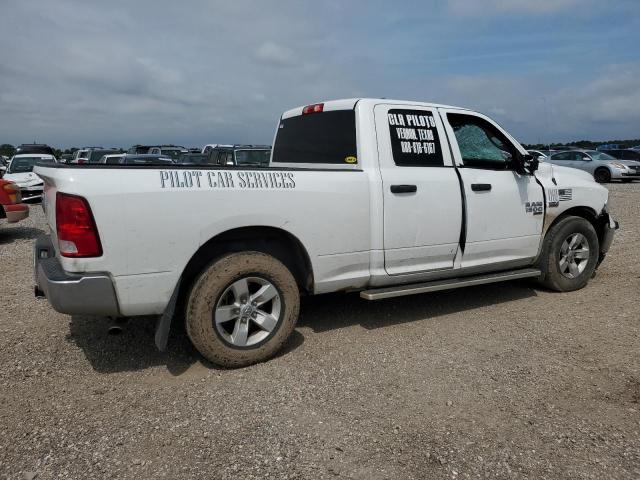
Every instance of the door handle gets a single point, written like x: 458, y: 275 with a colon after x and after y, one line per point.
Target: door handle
x: 481, y: 187
x: 404, y: 188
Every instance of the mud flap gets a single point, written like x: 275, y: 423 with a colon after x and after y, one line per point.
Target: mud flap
x: 164, y: 322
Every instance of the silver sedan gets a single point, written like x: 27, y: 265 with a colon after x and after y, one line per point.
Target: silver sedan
x: 602, y: 166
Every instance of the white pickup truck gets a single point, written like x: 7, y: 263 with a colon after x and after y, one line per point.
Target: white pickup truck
x: 380, y: 196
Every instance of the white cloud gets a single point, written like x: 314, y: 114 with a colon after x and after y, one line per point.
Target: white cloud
x: 274, y: 54
x: 604, y: 107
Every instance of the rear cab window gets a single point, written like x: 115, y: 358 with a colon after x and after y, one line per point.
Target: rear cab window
x: 324, y: 138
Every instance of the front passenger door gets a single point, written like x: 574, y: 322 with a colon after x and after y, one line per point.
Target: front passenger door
x: 504, y: 208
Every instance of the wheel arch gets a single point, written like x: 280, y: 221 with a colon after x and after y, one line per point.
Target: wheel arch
x: 589, y: 214
x: 270, y: 240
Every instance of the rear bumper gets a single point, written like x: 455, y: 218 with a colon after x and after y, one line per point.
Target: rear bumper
x: 619, y: 175
x: 72, y: 293
x: 29, y: 193
x: 15, y: 212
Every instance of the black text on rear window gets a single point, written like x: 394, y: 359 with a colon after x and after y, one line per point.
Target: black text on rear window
x: 327, y: 137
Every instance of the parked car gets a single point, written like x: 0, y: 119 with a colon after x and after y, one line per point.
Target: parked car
x: 195, y: 159
x: 81, y: 156
x: 171, y: 151
x: 602, y: 166
x: 112, y: 159
x: 95, y: 154
x: 241, y: 155
x: 12, y: 209
x: 388, y: 197
x: 3, y: 165
x: 207, y: 148
x: 37, y: 148
x: 20, y: 171
x: 624, y: 154
x: 133, y: 159
x: 65, y: 158
x: 538, y: 154
x: 139, y: 149
x: 609, y: 146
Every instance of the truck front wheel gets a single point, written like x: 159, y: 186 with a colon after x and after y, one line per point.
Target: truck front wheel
x: 242, y: 309
x: 570, y: 254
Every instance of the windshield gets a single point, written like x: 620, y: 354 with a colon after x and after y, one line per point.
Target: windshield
x: 253, y: 157
x: 174, y: 153
x: 197, y: 158
x: 96, y: 155
x: 600, y: 155
x: 26, y: 164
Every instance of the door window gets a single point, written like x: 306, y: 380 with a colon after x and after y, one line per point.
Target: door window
x: 562, y: 156
x: 414, y: 138
x: 481, y: 144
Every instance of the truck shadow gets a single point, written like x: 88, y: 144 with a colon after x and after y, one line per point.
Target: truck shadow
x: 134, y: 349
x: 337, y: 310
x: 11, y: 234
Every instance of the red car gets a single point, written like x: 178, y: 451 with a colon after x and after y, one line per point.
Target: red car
x: 10, y: 206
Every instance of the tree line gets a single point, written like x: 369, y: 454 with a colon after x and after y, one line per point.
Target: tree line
x: 583, y: 144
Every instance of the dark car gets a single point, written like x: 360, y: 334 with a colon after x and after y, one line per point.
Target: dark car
x: 172, y: 151
x: 30, y: 148
x: 139, y: 149
x: 195, y: 159
x: 148, y: 159
x: 624, y: 154
x: 241, y: 155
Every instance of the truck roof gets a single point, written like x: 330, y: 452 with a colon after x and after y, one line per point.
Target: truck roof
x: 350, y: 103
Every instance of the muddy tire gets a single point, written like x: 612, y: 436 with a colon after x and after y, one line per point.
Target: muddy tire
x: 242, y: 309
x: 570, y: 254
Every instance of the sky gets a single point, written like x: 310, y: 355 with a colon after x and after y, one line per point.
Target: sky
x: 120, y: 72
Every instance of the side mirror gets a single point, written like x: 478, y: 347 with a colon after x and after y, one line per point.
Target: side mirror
x: 586, y: 159
x: 527, y: 163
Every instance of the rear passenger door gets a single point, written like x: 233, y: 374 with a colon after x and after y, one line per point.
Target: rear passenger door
x: 504, y: 208
x: 421, y: 191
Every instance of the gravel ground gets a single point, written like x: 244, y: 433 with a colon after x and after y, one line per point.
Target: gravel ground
x: 500, y: 381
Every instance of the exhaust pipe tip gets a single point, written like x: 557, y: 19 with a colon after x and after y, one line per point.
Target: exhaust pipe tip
x: 114, y: 330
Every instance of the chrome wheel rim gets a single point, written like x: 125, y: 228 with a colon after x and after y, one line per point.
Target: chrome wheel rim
x: 574, y: 255
x: 247, y: 312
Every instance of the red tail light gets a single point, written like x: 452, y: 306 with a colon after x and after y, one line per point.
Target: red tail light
x: 315, y: 108
x: 77, y: 232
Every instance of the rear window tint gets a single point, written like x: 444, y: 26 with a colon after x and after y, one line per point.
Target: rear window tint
x: 327, y: 137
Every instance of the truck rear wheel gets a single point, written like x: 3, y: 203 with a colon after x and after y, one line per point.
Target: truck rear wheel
x: 570, y: 254
x: 242, y: 309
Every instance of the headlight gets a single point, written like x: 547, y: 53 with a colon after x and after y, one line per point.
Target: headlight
x: 619, y: 165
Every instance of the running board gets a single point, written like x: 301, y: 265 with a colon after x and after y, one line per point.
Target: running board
x: 415, y: 288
